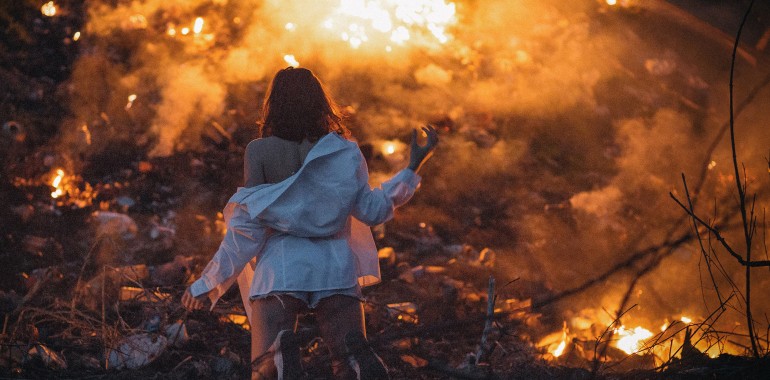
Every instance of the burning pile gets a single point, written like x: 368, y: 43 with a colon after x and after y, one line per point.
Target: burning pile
x: 563, y: 127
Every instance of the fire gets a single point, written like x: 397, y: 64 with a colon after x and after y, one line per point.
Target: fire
x: 56, y: 183
x: 291, y: 60
x: 560, y: 348
x: 389, y: 148
x: 86, y: 133
x: 198, y: 26
x: 632, y: 341
x: 48, y: 9
x: 131, y: 99
x: 390, y: 21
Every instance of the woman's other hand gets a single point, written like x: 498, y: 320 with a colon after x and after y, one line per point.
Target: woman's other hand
x: 418, y: 155
x: 192, y: 303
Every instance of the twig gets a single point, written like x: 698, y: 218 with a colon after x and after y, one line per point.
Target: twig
x: 721, y: 239
x: 185, y: 360
x: 485, y: 347
x: 628, y: 263
x: 700, y: 240
x: 104, y: 324
x: 741, y: 190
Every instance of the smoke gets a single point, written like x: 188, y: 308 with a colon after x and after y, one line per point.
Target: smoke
x: 566, y: 125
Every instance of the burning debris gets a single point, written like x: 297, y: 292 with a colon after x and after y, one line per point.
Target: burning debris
x: 564, y: 125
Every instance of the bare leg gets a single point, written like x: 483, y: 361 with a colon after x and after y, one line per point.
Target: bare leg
x: 337, y: 316
x: 270, y: 316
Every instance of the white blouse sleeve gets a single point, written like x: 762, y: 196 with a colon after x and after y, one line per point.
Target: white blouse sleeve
x: 243, y: 241
x: 375, y: 206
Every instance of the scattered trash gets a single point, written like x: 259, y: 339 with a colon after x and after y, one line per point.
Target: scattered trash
x: 387, y: 256
x: 114, y: 224
x: 403, y: 311
x: 176, y: 333
x: 225, y: 364
x: 48, y: 357
x: 132, y: 293
x: 136, y: 351
x: 238, y: 319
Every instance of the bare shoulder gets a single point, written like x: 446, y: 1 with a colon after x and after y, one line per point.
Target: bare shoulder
x: 259, y: 147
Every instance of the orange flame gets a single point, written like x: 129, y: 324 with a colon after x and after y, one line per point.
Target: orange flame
x: 632, y: 341
x: 56, y: 183
x: 360, y: 21
x: 48, y: 9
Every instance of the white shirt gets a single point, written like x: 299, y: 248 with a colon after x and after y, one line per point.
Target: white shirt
x: 308, y: 232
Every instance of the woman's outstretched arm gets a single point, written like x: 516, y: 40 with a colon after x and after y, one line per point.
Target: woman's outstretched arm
x: 375, y: 206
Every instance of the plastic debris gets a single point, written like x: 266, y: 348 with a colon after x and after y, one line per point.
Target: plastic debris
x: 48, y: 357
x: 403, y: 311
x: 136, y: 351
x: 387, y: 256
x: 132, y: 293
x: 114, y: 224
x: 176, y: 333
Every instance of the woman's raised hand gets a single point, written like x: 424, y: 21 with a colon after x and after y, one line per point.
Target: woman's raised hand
x: 192, y: 303
x: 418, y: 154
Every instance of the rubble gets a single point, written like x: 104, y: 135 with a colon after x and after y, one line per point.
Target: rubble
x: 100, y: 253
x: 136, y: 351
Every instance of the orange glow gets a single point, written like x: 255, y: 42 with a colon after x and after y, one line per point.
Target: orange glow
x: 358, y: 22
x: 198, y: 26
x: 632, y: 341
x: 389, y: 148
x: 291, y: 60
x: 48, y: 9
x: 56, y: 183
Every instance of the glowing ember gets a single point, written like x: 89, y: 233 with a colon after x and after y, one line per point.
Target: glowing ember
x: 560, y: 348
x: 289, y: 58
x: 48, y: 9
x: 712, y: 165
x: 686, y: 320
x: 290, y: 26
x: 198, y: 26
x: 86, y: 132
x: 632, y: 341
x: 76, y: 36
x: 389, y: 148
x: 130, y: 103
x: 612, y: 2
x: 56, y: 183
x: 359, y: 21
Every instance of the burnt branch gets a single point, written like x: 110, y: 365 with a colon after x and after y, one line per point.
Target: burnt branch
x: 715, y: 231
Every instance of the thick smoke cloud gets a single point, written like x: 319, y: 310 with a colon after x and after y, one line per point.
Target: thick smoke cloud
x: 567, y: 124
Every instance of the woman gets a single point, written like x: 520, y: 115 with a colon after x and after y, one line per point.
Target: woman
x: 300, y: 223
